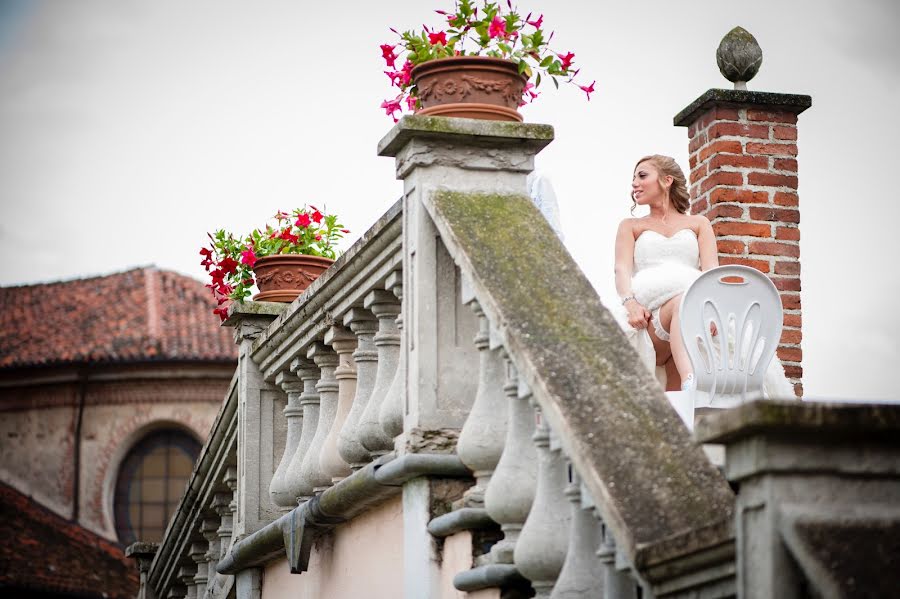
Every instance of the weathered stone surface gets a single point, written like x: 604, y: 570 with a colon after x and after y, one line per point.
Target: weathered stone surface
x: 739, y: 57
x: 795, y: 103
x: 624, y: 438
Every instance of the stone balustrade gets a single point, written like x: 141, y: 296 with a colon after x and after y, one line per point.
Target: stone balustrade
x: 456, y: 338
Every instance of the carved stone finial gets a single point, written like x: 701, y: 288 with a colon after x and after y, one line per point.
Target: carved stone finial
x: 739, y: 57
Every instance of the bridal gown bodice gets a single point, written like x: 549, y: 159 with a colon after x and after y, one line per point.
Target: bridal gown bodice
x: 664, y: 266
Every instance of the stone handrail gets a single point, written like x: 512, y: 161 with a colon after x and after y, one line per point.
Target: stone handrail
x: 366, y: 382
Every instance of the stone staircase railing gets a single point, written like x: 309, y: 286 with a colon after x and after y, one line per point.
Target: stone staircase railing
x: 457, y: 339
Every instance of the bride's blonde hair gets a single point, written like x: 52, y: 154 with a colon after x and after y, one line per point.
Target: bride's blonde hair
x: 677, y: 191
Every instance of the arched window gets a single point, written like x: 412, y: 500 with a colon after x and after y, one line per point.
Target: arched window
x: 151, y: 481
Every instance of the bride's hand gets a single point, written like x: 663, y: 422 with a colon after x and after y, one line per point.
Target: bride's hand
x: 638, y: 316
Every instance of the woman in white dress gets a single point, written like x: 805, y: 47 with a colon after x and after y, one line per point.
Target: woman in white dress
x: 657, y: 257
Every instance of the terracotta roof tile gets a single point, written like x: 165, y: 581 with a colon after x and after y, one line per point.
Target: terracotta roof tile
x: 43, y: 552
x: 136, y: 315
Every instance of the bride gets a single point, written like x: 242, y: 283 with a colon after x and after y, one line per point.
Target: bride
x: 658, y: 256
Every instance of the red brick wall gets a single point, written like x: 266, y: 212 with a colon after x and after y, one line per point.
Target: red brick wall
x: 743, y: 177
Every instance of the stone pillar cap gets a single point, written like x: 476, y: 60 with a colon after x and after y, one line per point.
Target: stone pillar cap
x: 827, y: 420
x: 463, y: 130
x: 795, y: 103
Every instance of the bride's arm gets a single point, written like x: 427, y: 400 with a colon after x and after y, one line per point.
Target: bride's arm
x: 638, y: 316
x: 706, y: 239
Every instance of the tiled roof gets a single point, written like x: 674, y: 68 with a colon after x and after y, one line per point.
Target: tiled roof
x: 44, y: 553
x: 137, y: 315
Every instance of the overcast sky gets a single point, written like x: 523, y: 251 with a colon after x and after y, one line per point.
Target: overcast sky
x: 130, y: 128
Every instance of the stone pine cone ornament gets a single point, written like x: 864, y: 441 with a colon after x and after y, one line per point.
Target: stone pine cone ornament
x: 739, y: 57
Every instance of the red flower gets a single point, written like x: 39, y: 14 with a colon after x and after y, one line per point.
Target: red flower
x: 317, y: 217
x: 497, y: 28
x: 345, y: 230
x: 207, y: 258
x: 535, y: 24
x: 567, y: 60
x: 437, y: 38
x: 222, y: 312
x: 588, y: 89
x: 228, y: 265
x: 318, y: 238
x: 387, y: 53
x: 390, y: 107
x: 303, y: 220
x: 288, y: 236
x: 248, y: 257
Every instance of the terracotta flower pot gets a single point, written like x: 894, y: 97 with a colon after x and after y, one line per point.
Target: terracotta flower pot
x: 283, y: 277
x: 473, y: 87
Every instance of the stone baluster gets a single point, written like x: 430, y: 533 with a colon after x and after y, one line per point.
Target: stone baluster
x: 230, y: 480
x: 222, y: 505
x: 385, y: 307
x: 582, y: 574
x: 300, y: 484
x: 327, y: 387
x: 209, y: 528
x: 541, y: 550
x: 279, y: 488
x: 343, y: 342
x: 198, y: 553
x: 482, y: 437
x: 618, y: 584
x: 392, y: 409
x: 186, y: 576
x: 510, y: 493
x: 363, y: 324
x: 176, y: 592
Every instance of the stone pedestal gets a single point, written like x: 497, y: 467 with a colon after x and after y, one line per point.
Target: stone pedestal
x: 818, y: 504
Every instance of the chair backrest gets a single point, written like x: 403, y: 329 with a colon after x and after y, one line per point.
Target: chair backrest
x: 745, y: 308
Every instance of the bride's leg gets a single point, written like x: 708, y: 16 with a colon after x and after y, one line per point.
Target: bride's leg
x: 668, y: 316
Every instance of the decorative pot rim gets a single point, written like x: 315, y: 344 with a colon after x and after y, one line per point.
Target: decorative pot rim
x: 470, y: 61
x: 293, y: 258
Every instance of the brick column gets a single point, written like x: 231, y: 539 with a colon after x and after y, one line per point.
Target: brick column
x: 743, y: 160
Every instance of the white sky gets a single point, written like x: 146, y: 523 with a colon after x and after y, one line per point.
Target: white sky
x: 128, y: 129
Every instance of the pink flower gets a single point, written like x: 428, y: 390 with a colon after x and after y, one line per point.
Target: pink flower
x: 318, y: 238
x: 390, y: 107
x: 345, y: 230
x: 411, y: 102
x: 529, y: 93
x: 303, y: 220
x: 497, y: 28
x: 281, y: 215
x: 387, y: 53
x: 588, y: 89
x: 395, y: 77
x: 248, y: 257
x: 567, y: 60
x: 536, y: 24
x: 437, y: 38
x: 405, y: 73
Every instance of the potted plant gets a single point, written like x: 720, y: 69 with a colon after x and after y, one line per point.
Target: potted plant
x: 484, y: 63
x: 282, y: 259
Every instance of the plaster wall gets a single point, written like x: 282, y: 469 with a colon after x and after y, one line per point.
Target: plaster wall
x: 361, y: 558
x: 109, y: 432
x: 36, y: 448
x: 38, y: 422
x: 457, y: 557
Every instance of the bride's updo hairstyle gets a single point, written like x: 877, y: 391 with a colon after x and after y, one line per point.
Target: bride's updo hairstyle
x: 677, y: 192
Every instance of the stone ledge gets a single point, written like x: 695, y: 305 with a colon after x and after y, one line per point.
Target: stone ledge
x: 831, y: 421
x: 463, y: 130
x: 795, y: 103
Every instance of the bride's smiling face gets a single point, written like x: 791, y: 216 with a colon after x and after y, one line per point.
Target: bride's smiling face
x: 646, y: 188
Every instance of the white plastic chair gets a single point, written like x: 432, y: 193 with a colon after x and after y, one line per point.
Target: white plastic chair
x: 745, y: 307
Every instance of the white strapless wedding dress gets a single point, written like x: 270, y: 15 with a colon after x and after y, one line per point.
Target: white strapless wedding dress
x: 663, y: 268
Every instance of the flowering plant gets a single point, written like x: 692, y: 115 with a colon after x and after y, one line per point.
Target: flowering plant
x: 229, y: 260
x: 479, y: 31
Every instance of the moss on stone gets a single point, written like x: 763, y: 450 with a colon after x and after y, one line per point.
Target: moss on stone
x: 659, y: 481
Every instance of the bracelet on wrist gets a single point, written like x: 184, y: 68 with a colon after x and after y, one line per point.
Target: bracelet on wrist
x: 626, y: 298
